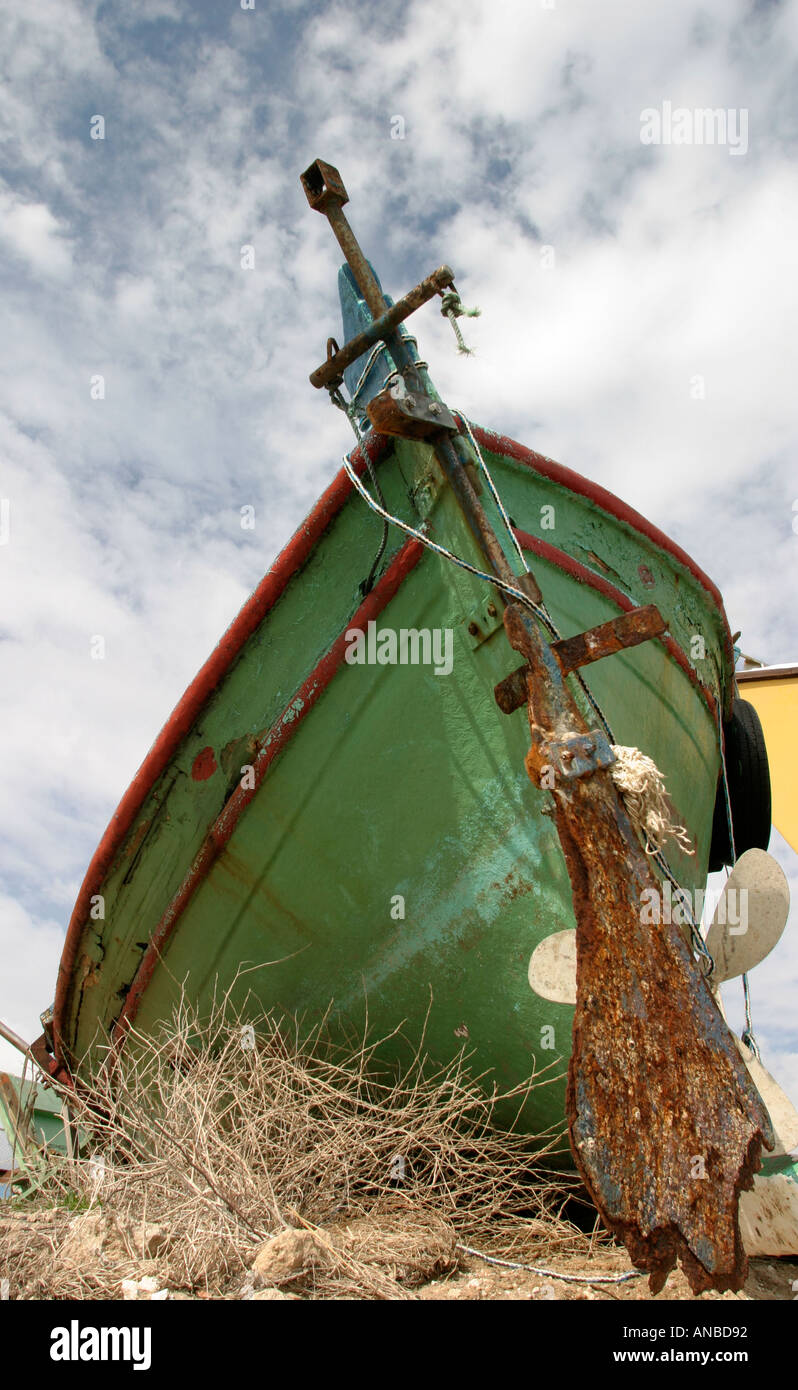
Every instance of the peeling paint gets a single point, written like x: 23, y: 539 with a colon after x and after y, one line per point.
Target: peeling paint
x: 204, y: 765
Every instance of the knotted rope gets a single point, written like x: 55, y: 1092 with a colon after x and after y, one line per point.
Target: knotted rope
x: 453, y: 308
x: 642, y: 786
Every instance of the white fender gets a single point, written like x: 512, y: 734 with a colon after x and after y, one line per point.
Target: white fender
x: 751, y: 915
x: 552, y: 968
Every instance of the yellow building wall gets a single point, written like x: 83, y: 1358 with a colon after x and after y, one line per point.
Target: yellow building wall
x: 776, y: 703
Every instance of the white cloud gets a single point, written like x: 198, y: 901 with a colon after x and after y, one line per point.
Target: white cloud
x: 32, y: 233
x: 30, y: 948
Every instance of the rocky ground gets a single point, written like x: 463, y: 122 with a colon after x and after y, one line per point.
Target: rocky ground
x: 767, y: 1279
x: 54, y: 1254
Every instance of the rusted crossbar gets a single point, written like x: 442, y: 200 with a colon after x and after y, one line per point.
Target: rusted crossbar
x: 331, y: 372
x: 629, y: 630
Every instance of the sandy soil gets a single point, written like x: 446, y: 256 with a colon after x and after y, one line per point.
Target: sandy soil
x: 472, y: 1279
x: 767, y: 1279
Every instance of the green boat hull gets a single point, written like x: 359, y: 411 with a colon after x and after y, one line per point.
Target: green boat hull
x: 32, y: 1121
x: 365, y: 835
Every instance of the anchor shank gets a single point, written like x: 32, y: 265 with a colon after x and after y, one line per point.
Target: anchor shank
x: 666, y: 1127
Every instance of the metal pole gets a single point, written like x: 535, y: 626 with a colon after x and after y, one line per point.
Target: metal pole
x: 14, y: 1039
x: 364, y: 276
x: 326, y: 194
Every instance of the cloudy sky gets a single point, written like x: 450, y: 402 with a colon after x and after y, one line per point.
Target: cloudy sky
x: 655, y: 355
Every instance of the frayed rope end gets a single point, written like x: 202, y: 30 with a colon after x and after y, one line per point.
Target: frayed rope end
x: 648, y: 806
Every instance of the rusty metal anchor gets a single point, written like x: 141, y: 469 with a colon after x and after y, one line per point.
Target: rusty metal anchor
x: 665, y: 1124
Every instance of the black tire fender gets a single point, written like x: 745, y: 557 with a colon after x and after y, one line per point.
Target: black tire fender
x: 748, y: 775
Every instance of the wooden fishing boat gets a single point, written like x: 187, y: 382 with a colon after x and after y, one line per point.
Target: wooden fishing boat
x: 369, y: 828
x: 34, y: 1124
x: 340, y: 804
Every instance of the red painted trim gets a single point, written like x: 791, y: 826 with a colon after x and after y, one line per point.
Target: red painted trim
x: 186, y: 712
x: 558, y: 473
x: 583, y: 487
x: 269, y: 746
x: 580, y: 572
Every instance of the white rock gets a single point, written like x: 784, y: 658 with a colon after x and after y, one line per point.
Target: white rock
x: 286, y: 1256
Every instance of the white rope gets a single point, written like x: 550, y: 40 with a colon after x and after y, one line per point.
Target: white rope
x: 725, y: 778
x: 553, y: 1273
x: 747, y: 1036
x: 453, y: 308
x: 542, y: 612
x: 433, y: 545
x: 376, y: 352
x: 495, y: 494
x: 642, y: 786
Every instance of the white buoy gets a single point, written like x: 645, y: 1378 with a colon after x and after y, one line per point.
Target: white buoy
x: 751, y: 914
x: 552, y: 968
x: 769, y: 1211
x: 782, y: 1112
